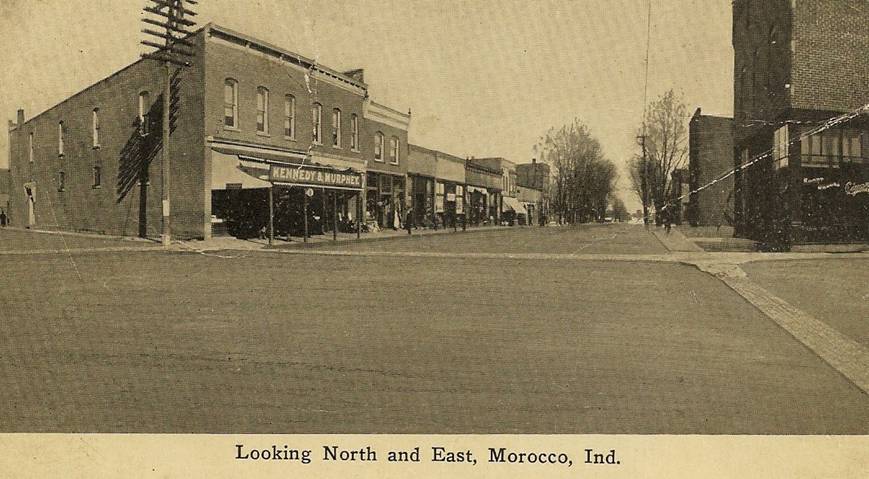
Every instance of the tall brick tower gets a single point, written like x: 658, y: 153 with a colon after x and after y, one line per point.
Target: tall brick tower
x: 798, y: 63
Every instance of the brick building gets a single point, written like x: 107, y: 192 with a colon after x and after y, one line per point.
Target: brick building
x: 535, y: 176
x: 252, y: 116
x: 797, y: 64
x: 710, y: 153
x: 4, y: 190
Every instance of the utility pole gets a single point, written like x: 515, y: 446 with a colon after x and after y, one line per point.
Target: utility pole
x: 169, y: 15
x: 644, y: 180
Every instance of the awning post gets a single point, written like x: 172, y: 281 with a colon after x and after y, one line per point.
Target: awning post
x: 305, y: 215
x: 271, y: 215
x: 358, y: 215
x: 334, y: 216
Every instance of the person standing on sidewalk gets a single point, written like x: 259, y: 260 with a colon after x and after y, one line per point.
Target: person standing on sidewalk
x: 668, y: 217
x: 3, y: 218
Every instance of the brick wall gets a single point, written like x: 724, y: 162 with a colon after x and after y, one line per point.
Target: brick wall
x: 831, y: 55
x: 710, y: 155
x: 119, y: 205
x: 371, y: 128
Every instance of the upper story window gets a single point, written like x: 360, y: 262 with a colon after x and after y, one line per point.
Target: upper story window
x: 354, y: 132
x: 95, y: 127
x: 317, y: 117
x: 30, y: 148
x: 144, y: 106
x: 262, y: 110
x: 60, y: 139
x: 378, y: 146
x: 98, y: 176
x: 290, y: 116
x: 230, y: 103
x: 393, y: 150
x: 336, y: 128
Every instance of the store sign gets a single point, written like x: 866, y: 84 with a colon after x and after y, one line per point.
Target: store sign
x: 855, y: 189
x: 303, y: 175
x: 451, y: 197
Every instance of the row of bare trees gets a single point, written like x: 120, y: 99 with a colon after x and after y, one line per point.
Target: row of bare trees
x: 663, y: 140
x: 583, y: 180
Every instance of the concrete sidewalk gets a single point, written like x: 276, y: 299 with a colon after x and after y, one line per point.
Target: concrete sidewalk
x: 675, y: 241
x: 294, y: 242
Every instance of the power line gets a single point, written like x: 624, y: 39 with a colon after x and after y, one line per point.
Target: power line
x: 826, y: 125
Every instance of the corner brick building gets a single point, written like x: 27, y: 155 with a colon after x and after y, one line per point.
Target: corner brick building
x: 245, y: 107
x: 797, y: 64
x: 710, y: 155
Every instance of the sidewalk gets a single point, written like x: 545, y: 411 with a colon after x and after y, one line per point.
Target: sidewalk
x: 675, y: 241
x: 231, y: 243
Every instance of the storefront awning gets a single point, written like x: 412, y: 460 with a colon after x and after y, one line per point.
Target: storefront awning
x: 227, y: 173
x: 512, y: 204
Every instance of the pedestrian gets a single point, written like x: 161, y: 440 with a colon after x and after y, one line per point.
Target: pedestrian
x: 668, y: 218
x: 3, y: 218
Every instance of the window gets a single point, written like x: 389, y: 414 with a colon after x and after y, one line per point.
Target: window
x: 230, y: 103
x: 30, y: 148
x: 393, y: 150
x: 60, y: 139
x: 378, y: 146
x: 262, y: 110
x: 144, y: 105
x: 336, y: 128
x: 95, y: 127
x: 61, y: 181
x: 290, y: 117
x: 354, y: 132
x: 317, y: 116
x: 780, y: 140
x: 827, y: 148
x: 98, y: 176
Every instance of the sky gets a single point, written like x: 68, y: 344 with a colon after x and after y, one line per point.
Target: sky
x: 481, y: 77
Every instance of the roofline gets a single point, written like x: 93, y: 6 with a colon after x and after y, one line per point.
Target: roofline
x: 308, y: 62
x: 443, y: 154
x: 92, y: 85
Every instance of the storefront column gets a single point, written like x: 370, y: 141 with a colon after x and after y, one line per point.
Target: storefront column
x: 271, y: 215
x: 334, y: 215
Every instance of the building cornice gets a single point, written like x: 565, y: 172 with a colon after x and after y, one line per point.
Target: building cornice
x: 226, y: 36
x: 372, y: 110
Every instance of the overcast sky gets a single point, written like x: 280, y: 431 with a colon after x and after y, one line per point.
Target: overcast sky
x: 482, y: 78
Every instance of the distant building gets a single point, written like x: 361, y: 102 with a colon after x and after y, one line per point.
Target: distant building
x: 536, y: 175
x: 679, y: 198
x: 799, y: 63
x: 4, y: 190
x: 510, y: 208
x: 710, y: 153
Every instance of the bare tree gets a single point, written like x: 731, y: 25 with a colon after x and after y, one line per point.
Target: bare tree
x: 665, y: 139
x: 582, y: 177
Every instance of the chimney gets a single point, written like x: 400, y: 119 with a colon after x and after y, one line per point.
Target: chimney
x: 20, y: 116
x: 357, y: 74
x: 533, y: 161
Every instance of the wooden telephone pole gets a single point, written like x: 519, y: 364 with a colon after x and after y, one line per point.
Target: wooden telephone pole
x: 171, y: 48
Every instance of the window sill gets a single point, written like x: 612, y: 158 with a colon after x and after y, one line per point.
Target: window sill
x: 262, y: 134
x: 290, y: 138
x: 96, y: 147
x: 96, y: 187
x: 60, y: 155
x: 393, y: 163
x: 336, y: 147
x: 231, y: 128
x: 379, y: 161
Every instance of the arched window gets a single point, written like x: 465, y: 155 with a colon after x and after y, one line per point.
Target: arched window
x: 95, y: 127
x: 336, y: 128
x: 354, y: 132
x: 290, y: 117
x: 317, y: 117
x: 378, y: 146
x: 144, y: 106
x: 393, y: 150
x: 262, y: 110
x: 230, y: 103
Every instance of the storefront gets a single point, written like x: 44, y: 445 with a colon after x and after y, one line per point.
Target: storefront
x: 483, y: 193
x: 258, y: 197
x: 513, y: 212
x: 531, y: 200
x: 385, y: 200
x: 421, y: 194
